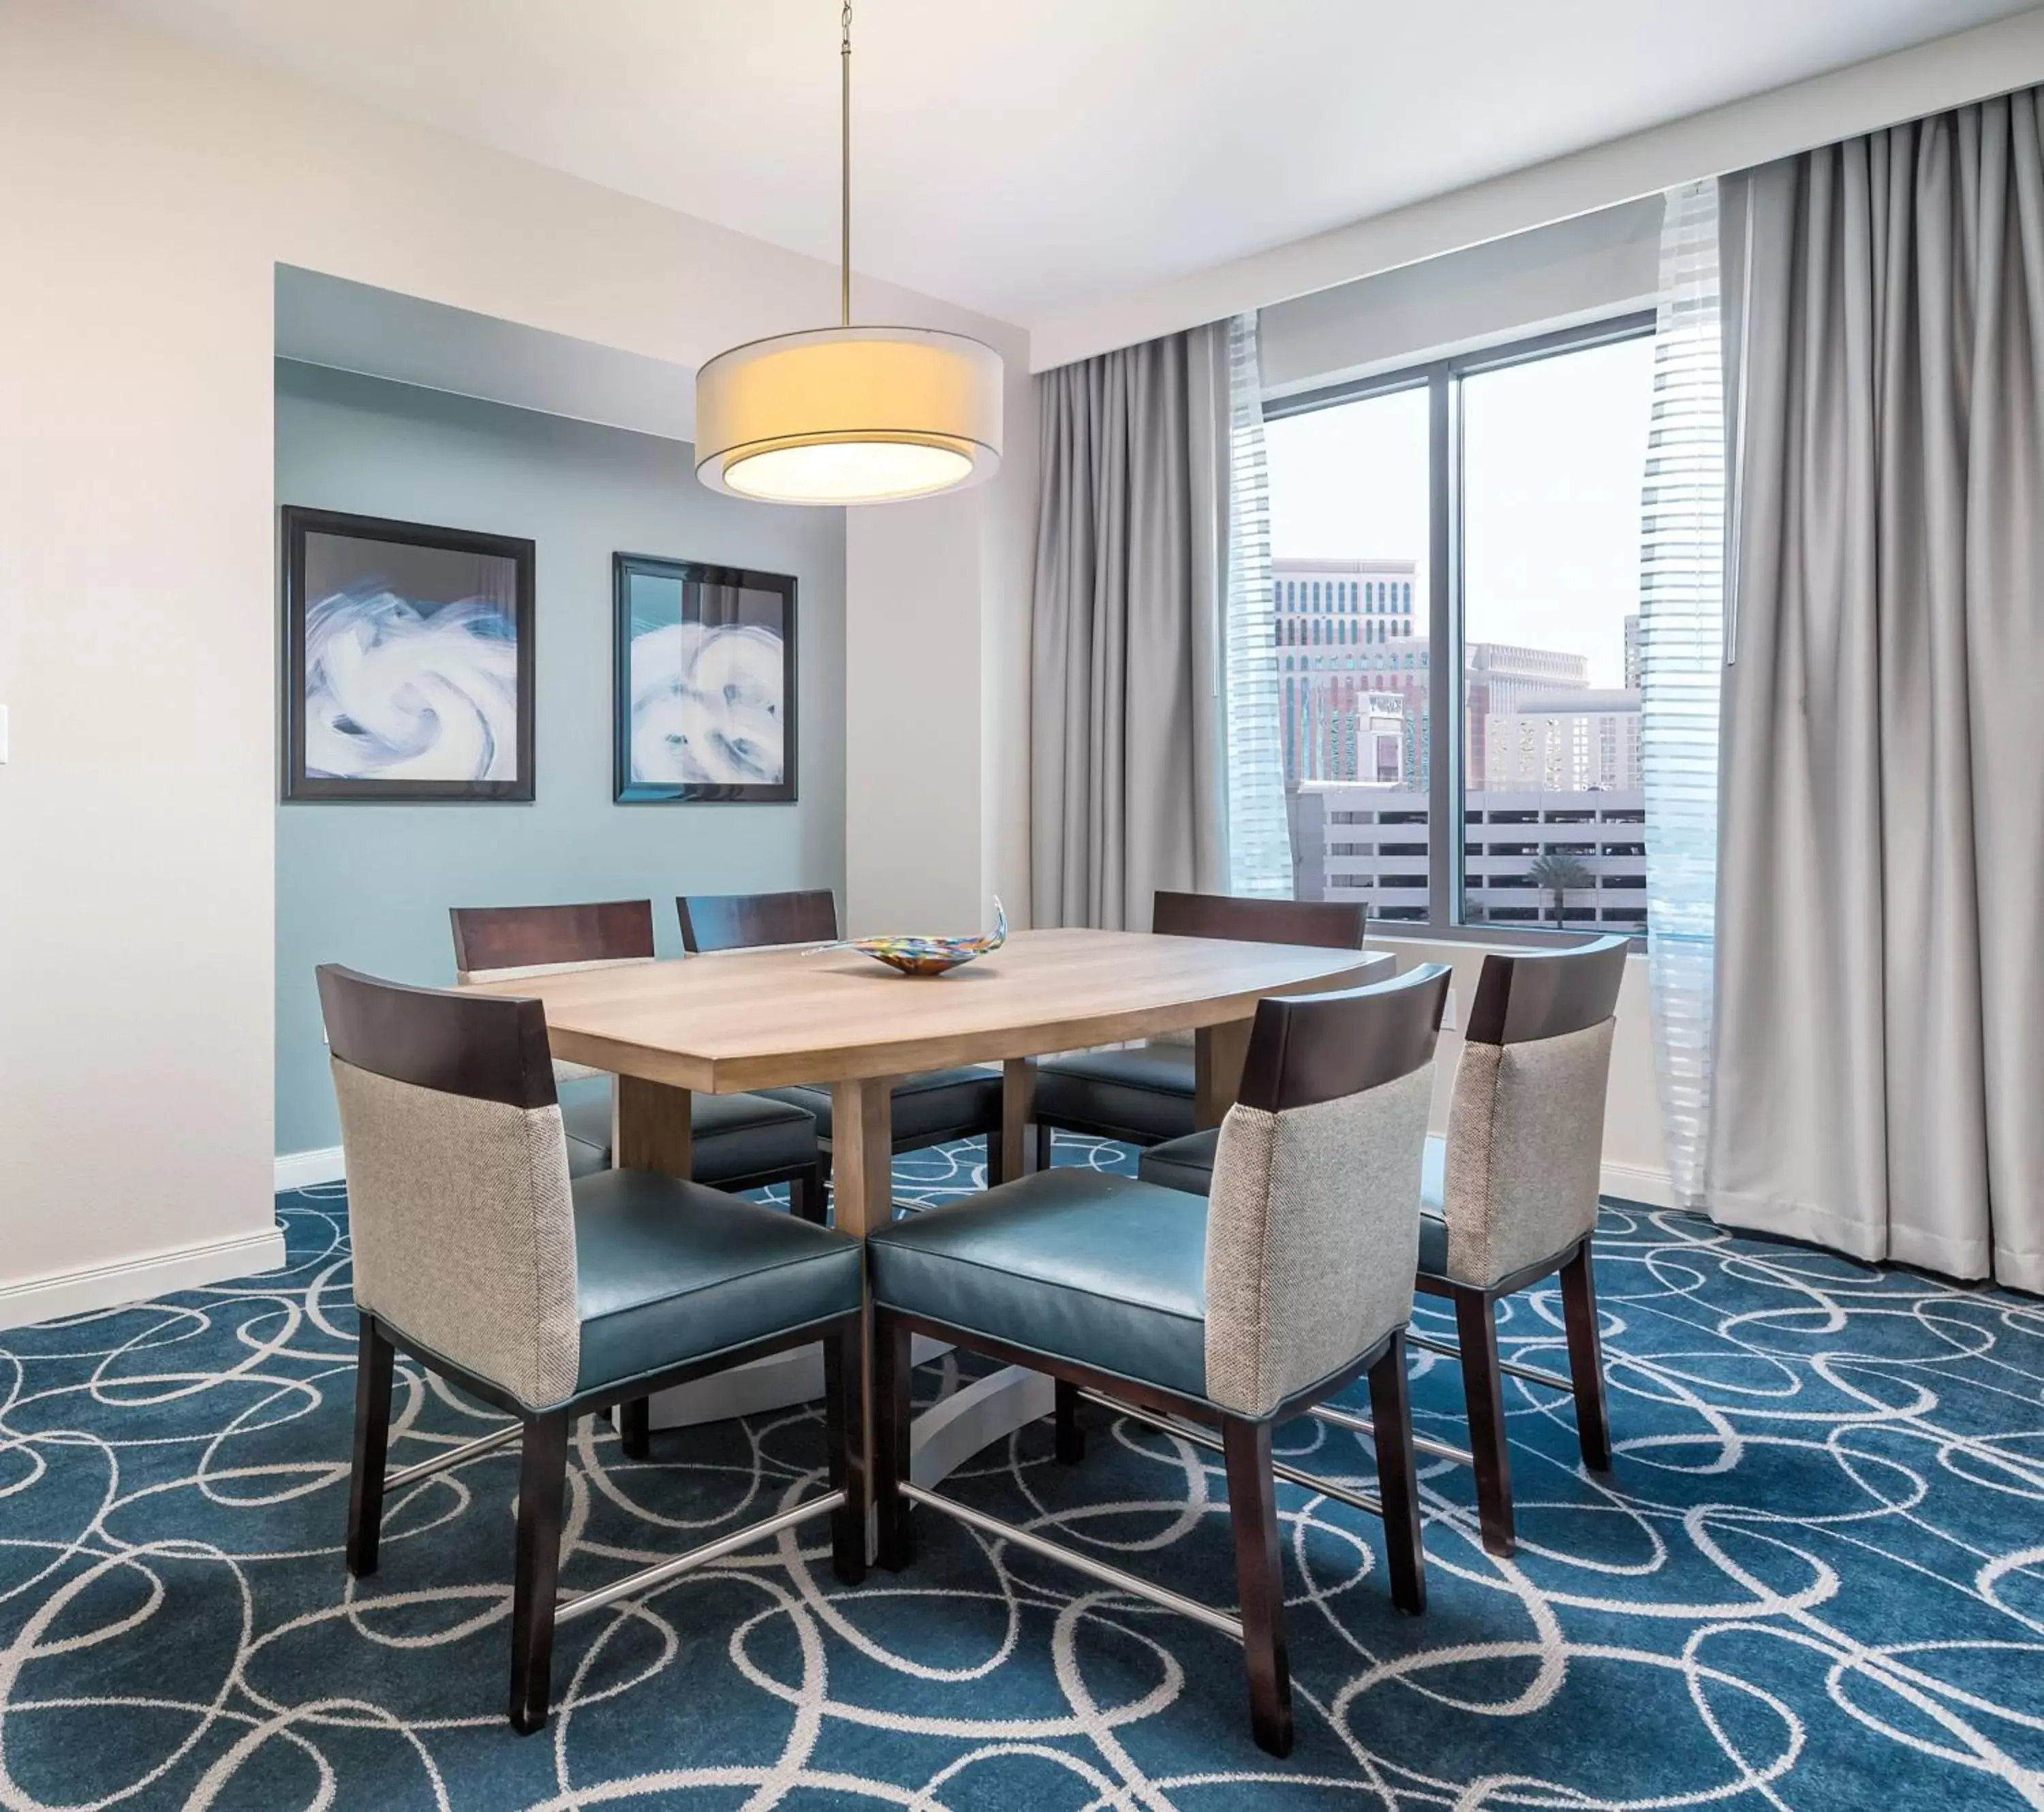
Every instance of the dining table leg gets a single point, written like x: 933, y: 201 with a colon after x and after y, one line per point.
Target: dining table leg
x: 862, y: 1199
x: 1018, y: 1108
x: 651, y: 1129
x: 1218, y: 1055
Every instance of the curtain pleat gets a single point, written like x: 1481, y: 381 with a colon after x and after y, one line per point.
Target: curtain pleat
x: 1881, y: 981
x: 1124, y: 768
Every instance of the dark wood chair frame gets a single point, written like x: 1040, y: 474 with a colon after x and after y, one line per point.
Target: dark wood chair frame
x: 537, y: 1606
x: 806, y: 916
x: 620, y: 930
x: 1322, y: 924
x: 1524, y: 996
x: 1252, y: 1476
x: 1485, y: 1371
x: 1294, y: 1059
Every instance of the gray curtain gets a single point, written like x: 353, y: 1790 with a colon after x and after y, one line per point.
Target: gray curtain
x: 1125, y: 733
x: 1879, y: 1081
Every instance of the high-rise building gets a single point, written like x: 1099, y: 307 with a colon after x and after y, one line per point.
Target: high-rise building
x: 1341, y: 628
x: 1632, y: 652
x: 1332, y: 666
x: 1570, y: 741
x: 1498, y: 677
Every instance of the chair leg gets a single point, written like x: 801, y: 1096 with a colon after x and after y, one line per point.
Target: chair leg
x: 1483, y: 1392
x: 1252, y: 1504
x: 1397, y: 1480
x: 542, y: 1474
x: 805, y: 1195
x: 1071, y: 1434
x: 994, y: 1154
x: 374, y: 1359
x: 844, y: 1424
x: 635, y: 1428
x: 1042, y: 1146
x: 892, y: 1373
x: 1579, y: 1316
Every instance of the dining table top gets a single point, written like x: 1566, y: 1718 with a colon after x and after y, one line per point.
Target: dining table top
x: 754, y: 1019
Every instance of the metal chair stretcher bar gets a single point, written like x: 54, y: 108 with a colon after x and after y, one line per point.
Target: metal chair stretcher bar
x: 1156, y: 1594
x: 1532, y: 1374
x: 1311, y: 1481
x: 574, y: 1603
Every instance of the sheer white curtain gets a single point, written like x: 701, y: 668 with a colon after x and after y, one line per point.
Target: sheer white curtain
x: 1259, y: 846
x: 1681, y: 654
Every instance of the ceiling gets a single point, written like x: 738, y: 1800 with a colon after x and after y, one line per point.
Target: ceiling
x: 1029, y: 158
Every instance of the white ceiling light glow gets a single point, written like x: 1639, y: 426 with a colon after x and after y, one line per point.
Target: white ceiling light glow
x: 845, y: 414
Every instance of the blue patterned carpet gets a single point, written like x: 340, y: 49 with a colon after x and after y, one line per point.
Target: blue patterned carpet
x: 1816, y: 1580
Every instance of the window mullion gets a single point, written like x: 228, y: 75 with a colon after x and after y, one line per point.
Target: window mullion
x: 1444, y: 703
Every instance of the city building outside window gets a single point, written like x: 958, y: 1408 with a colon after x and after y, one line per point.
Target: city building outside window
x: 1543, y: 446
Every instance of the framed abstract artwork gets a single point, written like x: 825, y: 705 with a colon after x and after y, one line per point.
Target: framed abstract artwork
x: 408, y: 660
x: 705, y: 707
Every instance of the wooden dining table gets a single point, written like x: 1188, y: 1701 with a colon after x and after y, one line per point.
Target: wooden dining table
x: 761, y: 1019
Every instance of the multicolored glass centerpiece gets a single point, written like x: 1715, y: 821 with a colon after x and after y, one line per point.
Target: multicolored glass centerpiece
x: 930, y: 956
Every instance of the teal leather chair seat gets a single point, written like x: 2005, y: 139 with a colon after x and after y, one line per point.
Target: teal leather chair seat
x: 1142, y: 1095
x: 668, y: 1273
x: 736, y: 1136
x: 1188, y: 1163
x: 934, y: 1106
x: 1185, y: 1163
x: 1105, y: 1271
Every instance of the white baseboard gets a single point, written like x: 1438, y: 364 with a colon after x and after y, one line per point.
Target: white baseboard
x: 139, y: 1279
x: 301, y: 1169
x: 1634, y: 1183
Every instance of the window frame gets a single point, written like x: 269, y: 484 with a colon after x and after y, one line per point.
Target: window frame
x: 1441, y: 379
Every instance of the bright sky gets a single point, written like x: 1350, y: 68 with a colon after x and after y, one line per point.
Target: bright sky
x: 1553, y: 454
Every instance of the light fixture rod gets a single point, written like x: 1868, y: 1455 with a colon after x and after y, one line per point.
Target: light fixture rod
x: 844, y: 170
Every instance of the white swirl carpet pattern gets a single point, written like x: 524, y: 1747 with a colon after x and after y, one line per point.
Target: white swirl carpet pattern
x: 1814, y: 1579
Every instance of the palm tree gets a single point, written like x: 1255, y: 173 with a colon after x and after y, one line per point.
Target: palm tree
x: 1557, y: 872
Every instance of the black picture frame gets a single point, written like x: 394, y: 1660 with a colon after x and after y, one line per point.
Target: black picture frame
x: 515, y: 587
x: 693, y: 575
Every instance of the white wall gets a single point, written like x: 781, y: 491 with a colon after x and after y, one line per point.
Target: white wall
x: 1949, y: 72
x: 149, y: 189
x: 1635, y: 1153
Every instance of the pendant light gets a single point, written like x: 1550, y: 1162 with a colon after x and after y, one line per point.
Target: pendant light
x: 845, y: 414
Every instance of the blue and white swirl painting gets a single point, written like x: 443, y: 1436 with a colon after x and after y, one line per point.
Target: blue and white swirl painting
x: 705, y: 702
x: 411, y: 663
x: 395, y: 692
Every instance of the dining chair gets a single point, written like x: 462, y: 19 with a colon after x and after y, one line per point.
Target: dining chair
x: 1508, y: 1198
x: 933, y: 1107
x: 1142, y: 1094
x: 1213, y: 1319
x: 481, y: 1259
x: 740, y: 1142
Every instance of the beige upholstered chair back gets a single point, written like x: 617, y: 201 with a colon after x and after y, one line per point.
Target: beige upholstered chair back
x: 518, y: 943
x: 1313, y: 1225
x: 1526, y: 1132
x: 458, y: 1206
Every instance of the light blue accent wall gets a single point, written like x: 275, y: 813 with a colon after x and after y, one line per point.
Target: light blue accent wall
x: 369, y: 886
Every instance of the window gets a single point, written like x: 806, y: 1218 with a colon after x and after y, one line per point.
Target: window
x: 1522, y: 464
x: 1341, y: 729
x: 1554, y: 449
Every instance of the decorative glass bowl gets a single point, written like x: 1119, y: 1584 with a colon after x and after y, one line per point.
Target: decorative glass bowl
x: 932, y: 956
